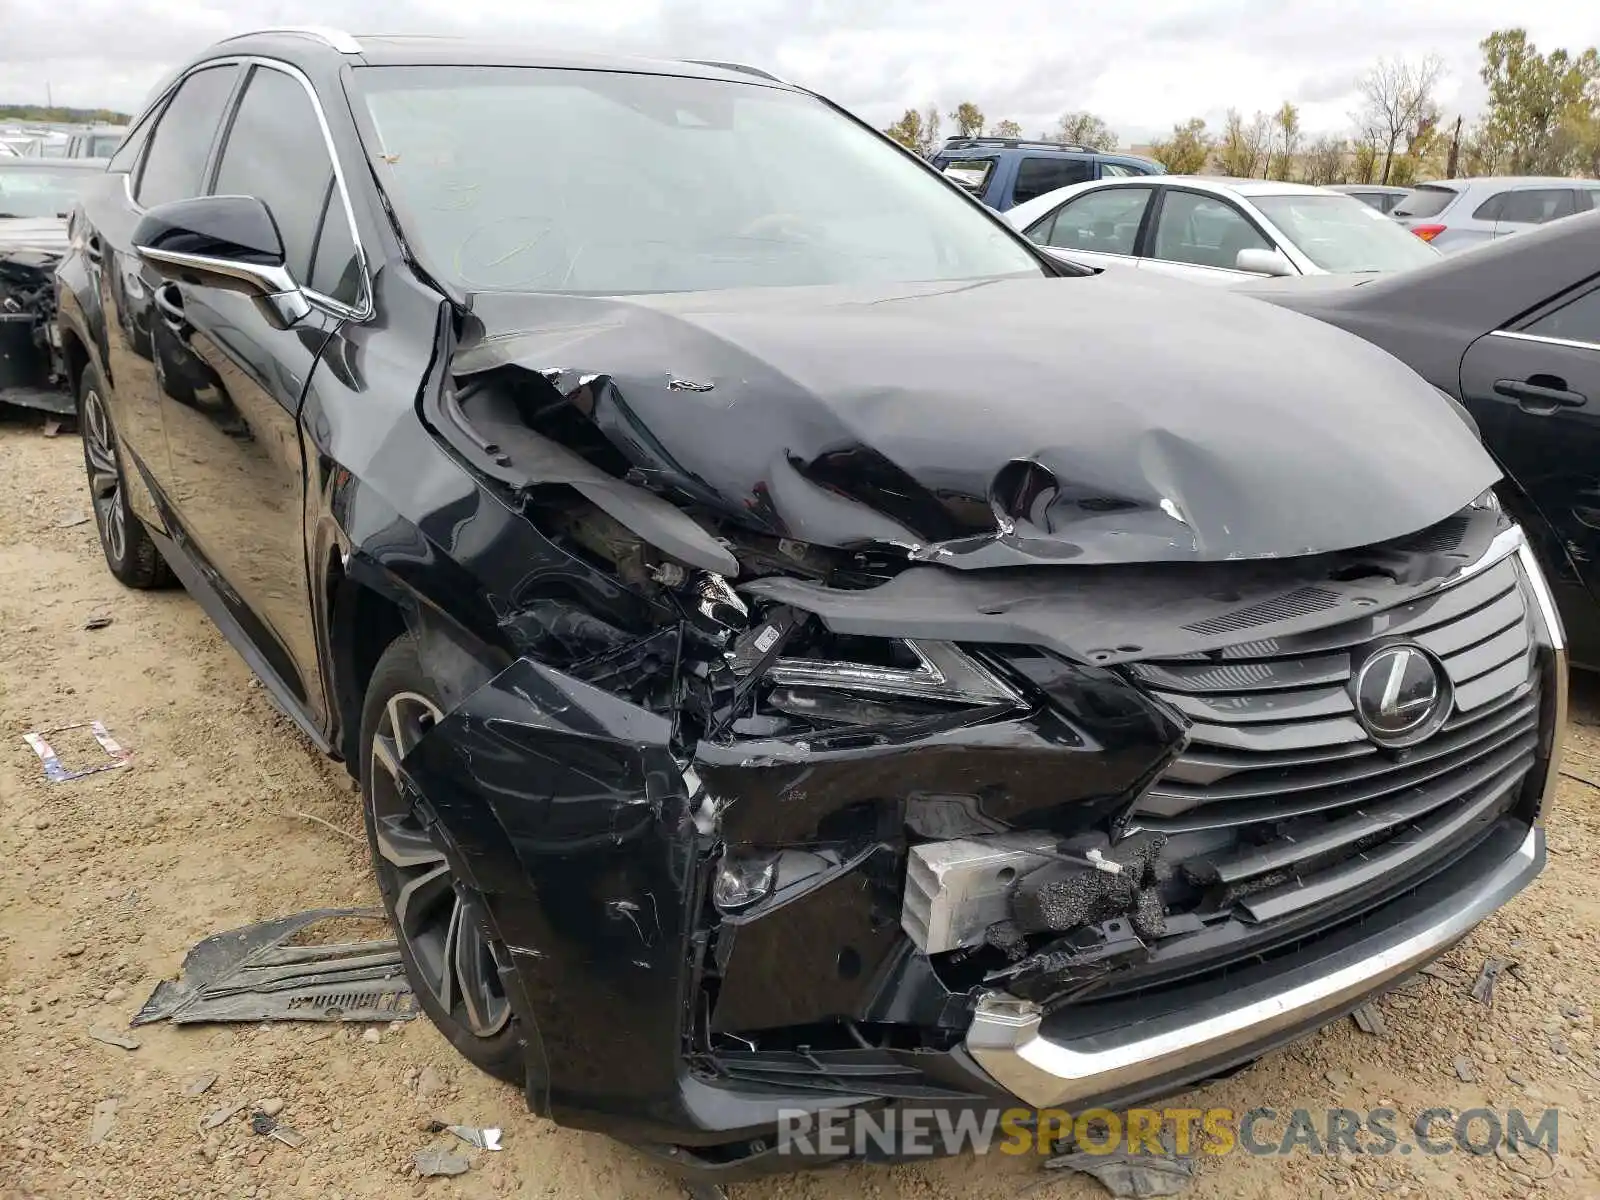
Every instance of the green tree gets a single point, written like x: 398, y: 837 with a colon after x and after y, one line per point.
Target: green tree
x: 1286, y: 125
x: 1187, y: 150
x: 1540, y: 105
x: 1006, y: 129
x: 968, y: 118
x: 1239, y: 149
x: 917, y: 131
x: 1084, y: 129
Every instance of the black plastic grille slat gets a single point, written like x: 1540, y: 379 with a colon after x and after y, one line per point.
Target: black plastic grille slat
x: 1171, y: 796
x: 1475, y: 627
x: 1367, y: 819
x: 1294, y: 735
x: 1257, y: 707
x: 1486, y: 656
x: 1178, y: 676
x: 1393, y: 856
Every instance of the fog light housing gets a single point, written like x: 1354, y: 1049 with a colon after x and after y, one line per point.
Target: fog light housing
x: 743, y: 881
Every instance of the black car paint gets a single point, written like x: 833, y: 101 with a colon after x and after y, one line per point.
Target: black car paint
x: 298, y: 481
x: 1446, y: 322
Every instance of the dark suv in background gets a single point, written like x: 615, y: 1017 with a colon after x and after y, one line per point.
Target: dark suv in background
x: 789, y: 662
x: 1005, y: 172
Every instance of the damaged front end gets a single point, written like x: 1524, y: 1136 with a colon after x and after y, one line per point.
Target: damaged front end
x: 768, y: 823
x: 32, y: 371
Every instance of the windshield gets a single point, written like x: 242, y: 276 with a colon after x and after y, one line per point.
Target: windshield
x: 534, y: 179
x: 1339, y: 233
x: 34, y: 192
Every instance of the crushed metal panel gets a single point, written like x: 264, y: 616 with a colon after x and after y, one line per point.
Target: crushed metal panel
x: 54, y: 772
x: 253, y: 974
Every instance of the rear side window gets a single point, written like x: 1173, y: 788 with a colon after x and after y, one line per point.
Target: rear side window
x: 1116, y: 171
x: 1588, y: 200
x: 971, y: 173
x: 1106, y: 220
x: 182, y: 137
x: 1535, y: 206
x: 275, y: 151
x: 1038, y: 174
x: 1578, y: 321
x: 1424, y: 201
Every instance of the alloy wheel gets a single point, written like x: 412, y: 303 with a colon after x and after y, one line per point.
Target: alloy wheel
x: 105, y: 482
x: 455, y: 960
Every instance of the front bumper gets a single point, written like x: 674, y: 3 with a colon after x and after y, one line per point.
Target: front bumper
x: 1010, y: 1039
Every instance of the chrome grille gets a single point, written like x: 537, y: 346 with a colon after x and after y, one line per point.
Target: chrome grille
x: 1298, y: 803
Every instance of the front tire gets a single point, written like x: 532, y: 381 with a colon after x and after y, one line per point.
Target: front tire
x: 130, y: 552
x: 451, y: 958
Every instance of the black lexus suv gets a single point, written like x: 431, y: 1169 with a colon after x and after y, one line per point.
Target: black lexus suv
x: 800, y: 649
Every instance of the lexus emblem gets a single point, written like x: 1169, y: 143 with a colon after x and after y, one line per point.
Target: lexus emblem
x: 1401, y: 694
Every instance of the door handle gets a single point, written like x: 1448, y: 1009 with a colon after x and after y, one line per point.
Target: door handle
x: 169, y: 303
x: 1539, y: 395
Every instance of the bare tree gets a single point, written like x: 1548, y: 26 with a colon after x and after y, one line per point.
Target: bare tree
x: 1084, y: 129
x: 1006, y: 129
x: 1286, y: 124
x: 1241, y: 148
x: 1397, y: 99
x: 1325, y: 161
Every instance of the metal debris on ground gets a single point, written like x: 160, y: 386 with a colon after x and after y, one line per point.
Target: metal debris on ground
x: 54, y: 772
x: 221, y: 1116
x: 71, y: 519
x: 199, y: 1084
x: 99, y: 622
x: 288, y: 1135
x: 705, y: 1191
x: 251, y: 974
x: 1370, y: 1020
x: 1465, y: 1071
x: 1483, y: 987
x: 114, y: 1037
x: 261, y: 1124
x: 483, y: 1139
x: 437, y: 1161
x: 105, y: 1118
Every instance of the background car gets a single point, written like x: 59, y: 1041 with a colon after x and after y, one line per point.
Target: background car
x: 1454, y: 214
x: 100, y: 142
x: 1512, y: 330
x: 1218, y: 231
x: 1380, y: 196
x: 1004, y: 172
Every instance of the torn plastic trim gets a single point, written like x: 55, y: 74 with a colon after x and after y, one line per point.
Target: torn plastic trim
x: 1114, y: 614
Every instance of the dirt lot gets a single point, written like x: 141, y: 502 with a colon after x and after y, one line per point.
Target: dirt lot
x: 107, y: 880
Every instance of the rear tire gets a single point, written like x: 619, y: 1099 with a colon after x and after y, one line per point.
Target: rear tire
x: 451, y: 956
x: 130, y: 551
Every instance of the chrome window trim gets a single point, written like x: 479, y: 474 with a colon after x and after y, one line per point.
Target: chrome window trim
x: 1572, y: 343
x: 337, y: 307
x: 341, y: 41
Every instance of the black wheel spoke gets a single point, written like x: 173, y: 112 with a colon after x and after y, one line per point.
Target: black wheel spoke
x: 478, y: 980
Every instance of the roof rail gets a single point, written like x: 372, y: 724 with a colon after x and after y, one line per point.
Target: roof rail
x: 733, y: 66
x: 956, y: 141
x: 337, y: 38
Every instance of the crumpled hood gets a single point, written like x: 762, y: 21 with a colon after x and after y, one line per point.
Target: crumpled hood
x: 35, y: 234
x: 1005, y: 422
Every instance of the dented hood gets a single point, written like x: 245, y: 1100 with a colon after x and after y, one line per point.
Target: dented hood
x: 1116, y: 418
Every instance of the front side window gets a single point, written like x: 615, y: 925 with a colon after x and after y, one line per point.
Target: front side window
x: 1038, y: 174
x: 1105, y: 221
x: 276, y: 152
x: 176, y: 161
x: 1204, y: 231
x: 652, y: 183
x: 1576, y: 321
x: 1339, y: 233
x: 1535, y: 206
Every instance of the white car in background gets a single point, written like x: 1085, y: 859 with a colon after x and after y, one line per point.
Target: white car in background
x: 1218, y: 230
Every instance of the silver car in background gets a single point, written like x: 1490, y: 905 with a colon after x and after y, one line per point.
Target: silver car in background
x: 1454, y: 214
x: 1217, y: 230
x: 1381, y: 196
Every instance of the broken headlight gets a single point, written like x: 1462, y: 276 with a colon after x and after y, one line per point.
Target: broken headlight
x: 865, y: 681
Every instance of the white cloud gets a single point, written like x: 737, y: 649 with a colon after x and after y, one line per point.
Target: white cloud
x: 1142, y: 67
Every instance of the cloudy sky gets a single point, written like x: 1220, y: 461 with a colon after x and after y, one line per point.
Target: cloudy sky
x: 1141, y: 66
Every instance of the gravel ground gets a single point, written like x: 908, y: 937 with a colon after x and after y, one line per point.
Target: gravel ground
x: 108, y: 880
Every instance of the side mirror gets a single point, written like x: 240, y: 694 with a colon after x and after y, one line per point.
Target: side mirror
x: 1264, y: 262
x: 228, y: 242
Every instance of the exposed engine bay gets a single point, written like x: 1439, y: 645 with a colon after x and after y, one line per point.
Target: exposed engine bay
x: 32, y: 371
